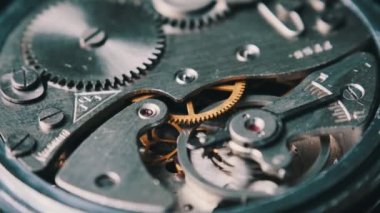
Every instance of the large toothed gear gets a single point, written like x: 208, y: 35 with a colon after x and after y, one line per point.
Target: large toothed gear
x: 187, y: 14
x: 75, y: 44
x: 193, y: 117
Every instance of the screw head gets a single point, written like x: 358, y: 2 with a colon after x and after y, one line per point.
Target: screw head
x: 247, y: 53
x: 186, y: 76
x: 92, y: 38
x: 254, y: 128
x: 50, y: 118
x: 202, y: 137
x: 21, y: 143
x: 24, y: 78
x: 188, y: 207
x: 255, y: 125
x: 148, y: 111
x: 107, y: 180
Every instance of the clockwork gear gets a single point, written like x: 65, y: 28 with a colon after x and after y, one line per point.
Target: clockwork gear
x: 192, y: 117
x: 236, y: 172
x: 188, y: 14
x: 74, y: 44
x: 159, y: 144
x: 271, y: 109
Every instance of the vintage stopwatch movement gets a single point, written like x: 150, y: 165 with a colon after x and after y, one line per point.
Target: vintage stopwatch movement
x: 189, y: 106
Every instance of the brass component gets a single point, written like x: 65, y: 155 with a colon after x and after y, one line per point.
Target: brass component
x: 144, y: 139
x: 166, y: 157
x: 193, y: 117
x: 155, y: 136
x: 141, y: 98
x: 152, y: 137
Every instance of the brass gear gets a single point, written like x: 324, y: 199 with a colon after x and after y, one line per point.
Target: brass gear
x: 193, y: 117
x: 152, y: 137
x: 237, y: 90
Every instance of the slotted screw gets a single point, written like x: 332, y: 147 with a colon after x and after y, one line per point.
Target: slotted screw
x: 186, y: 76
x: 93, y: 38
x: 24, y: 78
x: 50, y: 118
x: 21, y: 144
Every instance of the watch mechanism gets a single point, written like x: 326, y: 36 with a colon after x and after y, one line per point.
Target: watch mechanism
x: 186, y: 106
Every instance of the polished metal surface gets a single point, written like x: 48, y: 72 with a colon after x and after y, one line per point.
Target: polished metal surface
x: 188, y: 106
x: 88, y: 49
x: 116, y: 140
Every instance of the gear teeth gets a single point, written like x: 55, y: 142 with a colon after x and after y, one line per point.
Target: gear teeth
x: 71, y: 84
x: 191, y: 22
x: 118, y: 81
x: 109, y: 81
x: 88, y: 85
x: 79, y: 85
x: 126, y: 78
x: 235, y: 96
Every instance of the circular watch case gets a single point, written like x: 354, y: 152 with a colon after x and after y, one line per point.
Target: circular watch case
x: 171, y: 106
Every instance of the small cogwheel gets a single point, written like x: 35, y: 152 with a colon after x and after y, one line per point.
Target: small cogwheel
x: 92, y: 44
x: 193, y: 117
x: 188, y: 14
x: 236, y: 91
x: 153, y: 138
